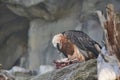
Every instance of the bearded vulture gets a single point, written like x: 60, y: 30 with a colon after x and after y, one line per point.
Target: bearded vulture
x: 75, y: 44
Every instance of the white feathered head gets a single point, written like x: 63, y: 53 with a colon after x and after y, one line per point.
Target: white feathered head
x: 56, y: 41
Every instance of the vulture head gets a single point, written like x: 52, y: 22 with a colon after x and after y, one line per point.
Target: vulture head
x: 57, y: 41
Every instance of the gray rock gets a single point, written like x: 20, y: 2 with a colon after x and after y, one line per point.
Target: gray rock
x: 78, y: 71
x: 26, y: 3
x: 45, y: 9
x: 13, y: 37
x: 4, y: 75
x: 47, y: 18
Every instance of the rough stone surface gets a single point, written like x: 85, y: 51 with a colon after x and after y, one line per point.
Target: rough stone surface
x: 78, y: 71
x: 45, y: 9
x: 25, y: 3
x: 47, y: 17
x: 13, y: 37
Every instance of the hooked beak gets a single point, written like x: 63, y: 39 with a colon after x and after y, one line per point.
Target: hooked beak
x: 59, y: 49
x: 58, y: 46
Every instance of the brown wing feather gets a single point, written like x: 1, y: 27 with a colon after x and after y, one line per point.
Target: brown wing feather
x: 81, y: 40
x: 67, y: 46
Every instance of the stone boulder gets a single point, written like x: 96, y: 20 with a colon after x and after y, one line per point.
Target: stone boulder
x: 77, y: 71
x: 45, y: 19
x: 13, y: 36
